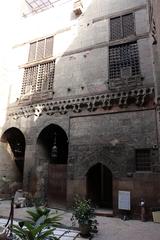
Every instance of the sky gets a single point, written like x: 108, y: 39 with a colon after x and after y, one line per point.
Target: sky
x: 9, y: 17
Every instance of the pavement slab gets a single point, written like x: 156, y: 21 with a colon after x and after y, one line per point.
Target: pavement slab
x: 109, y: 228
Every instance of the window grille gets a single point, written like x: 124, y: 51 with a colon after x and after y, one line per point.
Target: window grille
x: 38, y: 78
x: 124, y: 61
x: 126, y: 72
x: 128, y: 25
x: 121, y: 27
x: 116, y: 31
x: 41, y: 49
x: 143, y: 160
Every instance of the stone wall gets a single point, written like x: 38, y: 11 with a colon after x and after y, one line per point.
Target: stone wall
x: 10, y: 178
x: 111, y: 139
x: 102, y: 126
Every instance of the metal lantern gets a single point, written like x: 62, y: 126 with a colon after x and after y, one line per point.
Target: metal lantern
x: 54, y: 152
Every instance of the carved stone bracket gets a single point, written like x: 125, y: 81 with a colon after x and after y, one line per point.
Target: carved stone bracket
x: 152, y: 23
x: 154, y: 32
x: 106, y: 101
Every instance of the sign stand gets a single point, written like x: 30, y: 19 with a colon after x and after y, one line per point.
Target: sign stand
x: 124, y: 203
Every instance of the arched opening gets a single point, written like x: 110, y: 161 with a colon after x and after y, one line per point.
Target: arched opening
x: 13, y: 155
x: 99, y: 186
x: 53, y: 150
x: 50, y: 137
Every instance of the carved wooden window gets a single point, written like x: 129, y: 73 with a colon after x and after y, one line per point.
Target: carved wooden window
x: 143, y: 160
x: 122, y: 26
x: 38, y: 78
x: 124, y: 61
x: 41, y: 49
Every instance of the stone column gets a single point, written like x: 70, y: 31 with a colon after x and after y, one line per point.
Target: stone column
x: 29, y: 173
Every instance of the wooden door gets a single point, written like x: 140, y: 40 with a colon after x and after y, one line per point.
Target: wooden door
x: 57, y: 184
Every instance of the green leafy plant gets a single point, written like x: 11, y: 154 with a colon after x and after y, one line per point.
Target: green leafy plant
x: 39, y: 226
x: 33, y: 232
x: 44, y: 215
x: 84, y: 214
x: 83, y: 211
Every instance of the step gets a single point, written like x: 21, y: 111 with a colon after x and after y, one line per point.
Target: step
x: 104, y: 212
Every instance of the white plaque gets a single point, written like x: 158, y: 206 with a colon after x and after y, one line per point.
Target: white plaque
x: 124, y: 200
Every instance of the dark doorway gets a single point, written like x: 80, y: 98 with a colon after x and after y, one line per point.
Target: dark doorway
x: 15, y: 138
x: 53, y: 149
x: 99, y: 186
x: 50, y: 137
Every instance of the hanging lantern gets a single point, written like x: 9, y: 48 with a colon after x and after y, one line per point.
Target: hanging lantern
x: 18, y: 148
x: 54, y: 151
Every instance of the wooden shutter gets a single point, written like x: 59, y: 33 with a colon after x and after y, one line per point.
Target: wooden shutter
x: 49, y: 47
x: 32, y: 52
x: 40, y: 49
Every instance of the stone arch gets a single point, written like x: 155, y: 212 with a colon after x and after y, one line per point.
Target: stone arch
x: 108, y: 163
x: 52, y: 158
x: 13, y: 153
x: 50, y: 135
x: 43, y: 123
x: 98, y: 154
x: 99, y: 185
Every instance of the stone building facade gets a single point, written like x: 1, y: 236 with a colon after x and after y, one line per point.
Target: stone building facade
x: 82, y: 116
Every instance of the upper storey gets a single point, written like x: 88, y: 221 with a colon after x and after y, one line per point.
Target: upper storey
x: 80, y: 48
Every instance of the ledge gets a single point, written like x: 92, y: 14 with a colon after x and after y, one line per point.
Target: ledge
x: 138, y: 97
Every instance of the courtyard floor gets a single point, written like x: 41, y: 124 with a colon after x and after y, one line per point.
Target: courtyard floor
x: 109, y: 228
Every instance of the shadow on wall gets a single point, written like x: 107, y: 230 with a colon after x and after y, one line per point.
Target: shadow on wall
x: 12, y: 150
x: 75, y: 72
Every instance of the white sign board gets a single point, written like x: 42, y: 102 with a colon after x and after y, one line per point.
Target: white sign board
x: 124, y: 200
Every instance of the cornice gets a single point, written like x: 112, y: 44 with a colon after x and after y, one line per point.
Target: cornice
x: 138, y: 97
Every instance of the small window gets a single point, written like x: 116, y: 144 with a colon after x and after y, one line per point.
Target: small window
x: 77, y: 7
x: 143, y: 159
x: 121, y: 27
x: 41, y: 49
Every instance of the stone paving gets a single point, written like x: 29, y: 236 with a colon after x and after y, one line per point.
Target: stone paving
x: 20, y: 214
x: 109, y: 228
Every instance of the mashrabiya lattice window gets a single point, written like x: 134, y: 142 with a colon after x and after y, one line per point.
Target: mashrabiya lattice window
x: 122, y: 26
x: 124, y: 61
x: 38, y: 78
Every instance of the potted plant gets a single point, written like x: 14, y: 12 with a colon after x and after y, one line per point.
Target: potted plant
x: 28, y: 231
x: 84, y: 214
x: 44, y: 215
x: 40, y: 225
